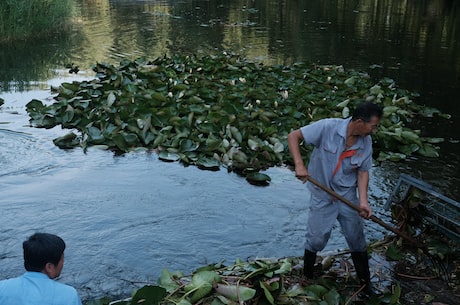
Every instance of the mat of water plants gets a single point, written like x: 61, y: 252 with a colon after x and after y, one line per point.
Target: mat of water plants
x: 224, y: 110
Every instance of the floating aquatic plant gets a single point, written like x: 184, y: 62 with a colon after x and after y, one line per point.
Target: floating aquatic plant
x: 223, y: 110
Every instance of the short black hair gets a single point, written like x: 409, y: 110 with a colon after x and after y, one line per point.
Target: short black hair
x: 40, y: 249
x: 366, y: 111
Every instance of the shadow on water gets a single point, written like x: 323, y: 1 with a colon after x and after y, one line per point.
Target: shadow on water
x: 125, y: 218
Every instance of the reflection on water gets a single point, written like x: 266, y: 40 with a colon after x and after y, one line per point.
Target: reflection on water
x: 125, y: 218
x: 414, y: 42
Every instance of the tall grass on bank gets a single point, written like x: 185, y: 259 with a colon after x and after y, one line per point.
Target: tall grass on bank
x: 22, y: 19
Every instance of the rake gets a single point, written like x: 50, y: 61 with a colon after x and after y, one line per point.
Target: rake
x: 435, y: 261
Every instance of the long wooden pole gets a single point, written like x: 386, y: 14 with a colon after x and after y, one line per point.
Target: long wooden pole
x: 358, y: 209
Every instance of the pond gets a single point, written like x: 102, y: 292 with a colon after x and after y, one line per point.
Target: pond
x: 127, y: 217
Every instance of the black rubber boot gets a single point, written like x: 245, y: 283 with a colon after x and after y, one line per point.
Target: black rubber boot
x: 309, y: 259
x: 361, y: 262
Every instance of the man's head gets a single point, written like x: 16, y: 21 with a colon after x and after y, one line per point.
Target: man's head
x: 44, y: 253
x: 367, y: 117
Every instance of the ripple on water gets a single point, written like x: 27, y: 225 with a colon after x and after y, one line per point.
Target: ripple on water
x: 21, y: 154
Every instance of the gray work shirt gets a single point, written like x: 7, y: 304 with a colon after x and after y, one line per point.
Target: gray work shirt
x: 328, y: 136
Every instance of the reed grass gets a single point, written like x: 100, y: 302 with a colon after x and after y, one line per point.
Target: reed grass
x: 23, y: 19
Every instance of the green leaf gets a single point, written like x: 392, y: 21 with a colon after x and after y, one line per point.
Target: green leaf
x: 428, y: 150
x: 70, y: 140
x: 376, y: 90
x: 278, y: 147
x: 285, y: 267
x: 168, y: 156
x: 393, y: 253
x: 410, y: 136
x: 254, y: 145
x: 343, y: 104
x: 239, y: 261
x: 212, y: 144
x: 201, y: 284
x: 345, y: 112
x: 294, y: 291
x: 70, y: 86
x: 205, y: 276
x: 316, y: 291
x: 430, y: 112
x: 95, y: 135
x: 220, y: 300
x: 34, y: 105
x: 388, y: 110
x: 267, y: 292
x: 235, y: 293
x: 258, y: 178
x: 120, y: 142
x: 210, y: 267
x: 202, y: 290
x: 332, y: 297
x: 149, y: 295
x: 434, y: 140
x: 187, y: 145
x: 68, y: 114
x: 396, y: 294
x: 147, y: 137
x: 350, y: 81
x: 166, y: 280
x: 236, y: 134
x: 111, y: 99
x: 208, y: 163
x: 391, y: 156
x: 409, y: 149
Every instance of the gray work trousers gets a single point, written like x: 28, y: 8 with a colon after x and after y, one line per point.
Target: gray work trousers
x: 321, y: 219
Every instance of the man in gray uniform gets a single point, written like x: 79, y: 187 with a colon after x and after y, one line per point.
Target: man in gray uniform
x: 341, y: 159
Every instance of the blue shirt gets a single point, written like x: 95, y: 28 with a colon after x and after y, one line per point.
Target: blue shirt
x: 328, y: 136
x: 36, y: 288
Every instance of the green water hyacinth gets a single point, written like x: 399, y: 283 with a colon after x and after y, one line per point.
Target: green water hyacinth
x: 262, y: 281
x: 224, y: 110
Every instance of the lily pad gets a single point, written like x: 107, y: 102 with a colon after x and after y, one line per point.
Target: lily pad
x: 258, y: 178
x: 208, y: 163
x: 68, y: 141
x: 168, y: 156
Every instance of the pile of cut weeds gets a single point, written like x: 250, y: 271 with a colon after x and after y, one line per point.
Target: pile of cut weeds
x: 425, y: 278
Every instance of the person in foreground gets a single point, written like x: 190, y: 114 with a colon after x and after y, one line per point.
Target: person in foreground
x: 43, y: 260
x: 341, y: 160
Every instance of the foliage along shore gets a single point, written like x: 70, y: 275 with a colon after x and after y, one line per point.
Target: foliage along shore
x: 260, y: 281
x: 405, y: 278
x: 224, y: 110
x: 26, y: 19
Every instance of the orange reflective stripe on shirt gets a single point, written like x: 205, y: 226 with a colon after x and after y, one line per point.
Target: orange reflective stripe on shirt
x: 345, y: 154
